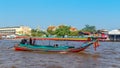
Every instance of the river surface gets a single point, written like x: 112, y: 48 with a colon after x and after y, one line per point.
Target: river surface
x: 107, y: 55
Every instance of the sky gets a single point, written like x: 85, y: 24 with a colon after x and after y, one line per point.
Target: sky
x: 104, y: 14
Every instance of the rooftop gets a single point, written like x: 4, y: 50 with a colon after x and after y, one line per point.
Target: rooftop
x: 10, y: 27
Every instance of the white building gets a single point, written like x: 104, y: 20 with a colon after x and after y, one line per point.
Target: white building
x: 19, y: 30
x: 114, y: 35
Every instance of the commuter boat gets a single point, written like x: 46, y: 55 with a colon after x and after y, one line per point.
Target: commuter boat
x: 55, y: 47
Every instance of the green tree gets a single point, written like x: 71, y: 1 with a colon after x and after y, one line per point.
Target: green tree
x: 89, y: 28
x: 74, y: 33
x: 51, y: 30
x: 62, y: 30
x: 37, y: 33
x: 33, y: 32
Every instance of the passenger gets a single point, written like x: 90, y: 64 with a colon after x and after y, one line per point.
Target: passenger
x: 30, y: 41
x: 23, y: 41
x: 55, y: 45
x: 34, y: 42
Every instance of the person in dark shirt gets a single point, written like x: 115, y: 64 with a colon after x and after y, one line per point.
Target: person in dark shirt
x: 23, y: 41
x: 30, y: 41
x: 55, y: 45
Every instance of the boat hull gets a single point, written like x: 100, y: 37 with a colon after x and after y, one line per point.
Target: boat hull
x: 48, y: 48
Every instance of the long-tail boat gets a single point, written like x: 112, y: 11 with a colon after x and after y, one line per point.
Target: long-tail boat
x: 52, y: 48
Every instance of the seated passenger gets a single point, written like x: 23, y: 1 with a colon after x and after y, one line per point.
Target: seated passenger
x: 23, y: 41
x: 55, y: 45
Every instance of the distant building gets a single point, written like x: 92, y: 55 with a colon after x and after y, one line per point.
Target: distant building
x: 19, y: 30
x: 73, y: 29
x: 114, y: 35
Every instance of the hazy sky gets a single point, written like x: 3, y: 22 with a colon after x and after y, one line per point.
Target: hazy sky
x: 77, y: 13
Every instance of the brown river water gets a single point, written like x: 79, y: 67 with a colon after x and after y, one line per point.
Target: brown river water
x: 106, y: 56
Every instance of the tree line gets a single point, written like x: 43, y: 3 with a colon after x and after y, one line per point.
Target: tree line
x: 62, y: 31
